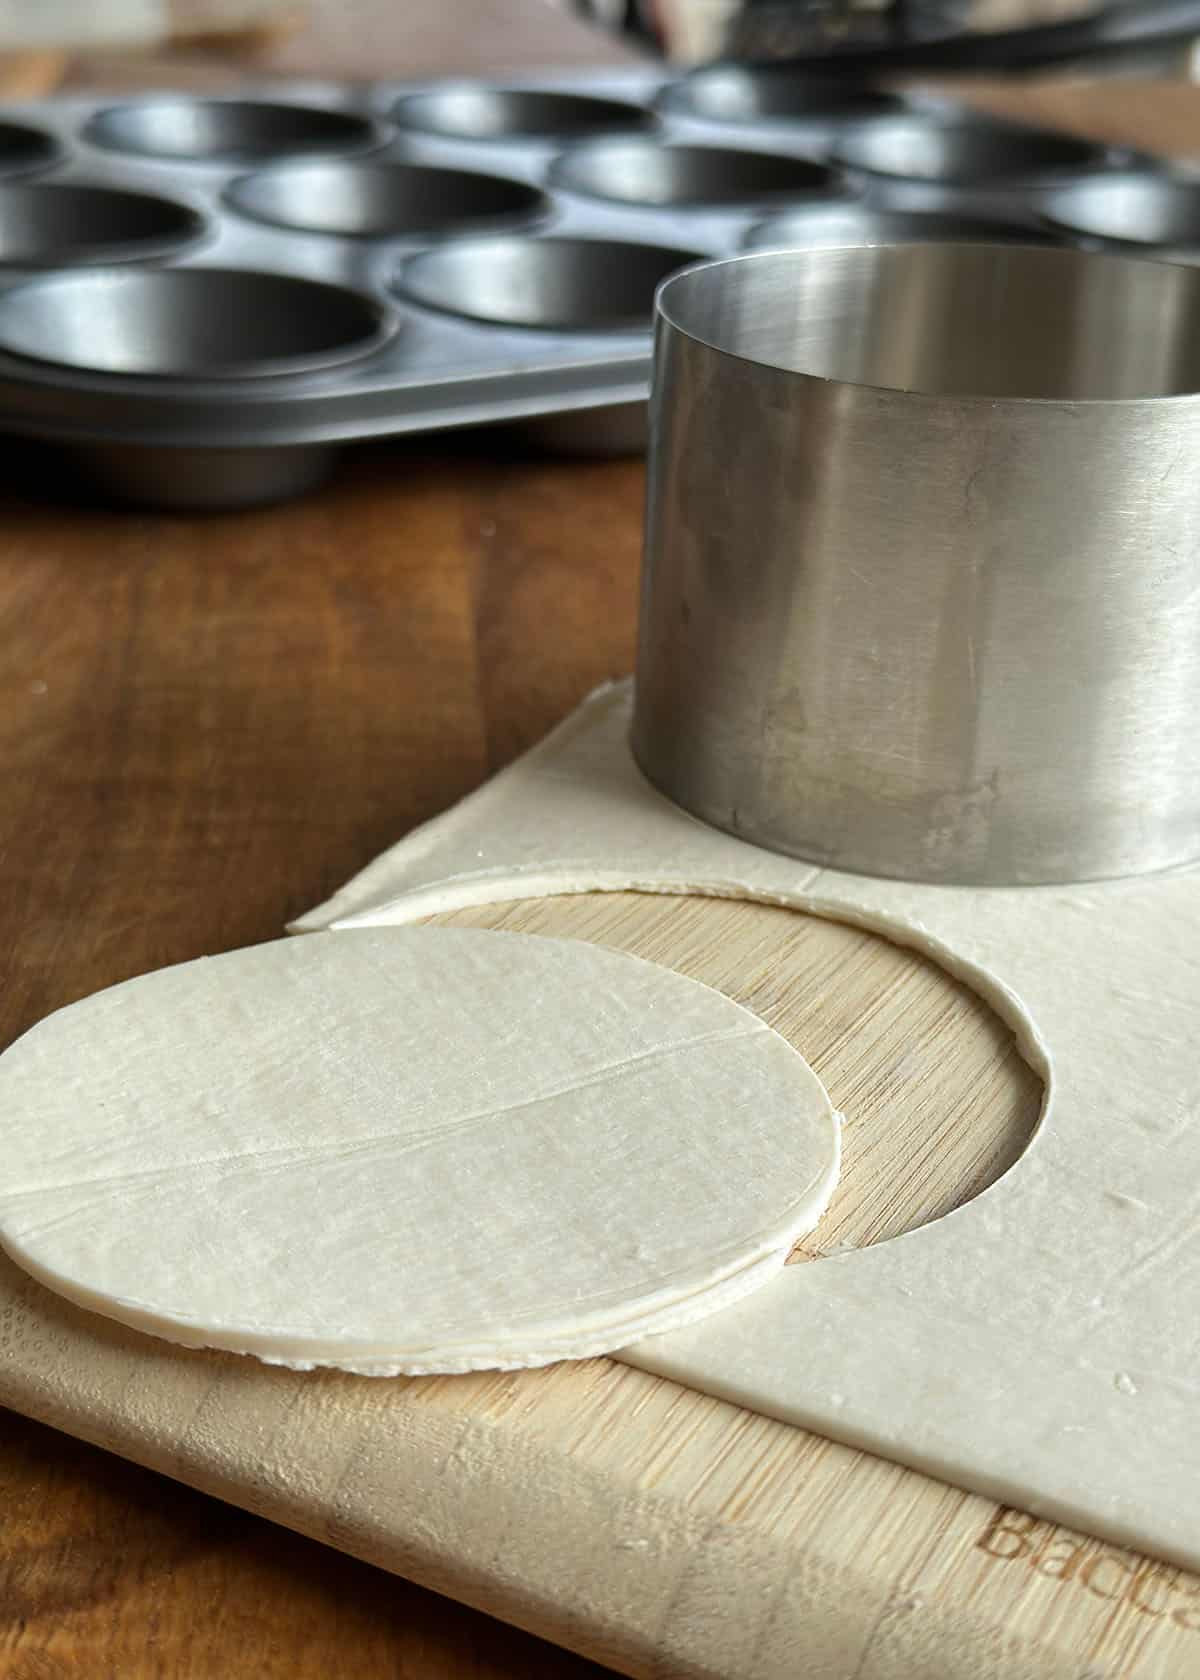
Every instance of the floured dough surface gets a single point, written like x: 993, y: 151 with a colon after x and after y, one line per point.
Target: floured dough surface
x: 420, y: 1149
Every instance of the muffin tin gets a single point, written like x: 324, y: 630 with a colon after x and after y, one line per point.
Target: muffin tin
x: 202, y: 299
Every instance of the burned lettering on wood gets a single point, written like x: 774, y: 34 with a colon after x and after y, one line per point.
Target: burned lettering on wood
x: 1156, y: 1590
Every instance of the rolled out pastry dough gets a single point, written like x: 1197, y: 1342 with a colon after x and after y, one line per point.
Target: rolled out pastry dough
x: 1040, y: 1345
x: 420, y: 1150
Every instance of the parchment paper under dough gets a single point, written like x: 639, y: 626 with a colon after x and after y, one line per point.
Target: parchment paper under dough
x: 423, y: 1150
x: 1040, y: 1345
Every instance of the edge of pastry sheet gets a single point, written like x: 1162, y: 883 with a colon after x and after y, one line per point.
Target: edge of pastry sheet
x: 1039, y: 1345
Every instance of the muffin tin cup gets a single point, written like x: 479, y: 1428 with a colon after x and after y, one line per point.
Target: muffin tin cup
x: 45, y: 224
x: 333, y: 263
x: 826, y: 227
x: 24, y: 150
x: 196, y: 130
x: 584, y: 285
x: 383, y: 200
x: 1135, y: 212
x: 749, y: 94
x: 964, y: 153
x: 646, y: 172
x: 188, y: 323
x: 478, y: 111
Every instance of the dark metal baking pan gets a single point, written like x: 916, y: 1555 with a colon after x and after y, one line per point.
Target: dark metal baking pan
x: 475, y: 111
x: 565, y: 284
x: 383, y: 200
x: 966, y: 152
x: 827, y: 227
x: 201, y: 130
x: 189, y: 323
x: 646, y: 172
x: 25, y: 149
x: 45, y: 223
x: 401, y: 258
x: 1134, y: 210
x: 732, y: 93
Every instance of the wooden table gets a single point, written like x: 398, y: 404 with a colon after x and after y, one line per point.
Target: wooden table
x: 208, y: 724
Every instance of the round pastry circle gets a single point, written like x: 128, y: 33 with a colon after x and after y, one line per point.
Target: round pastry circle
x: 409, y: 1150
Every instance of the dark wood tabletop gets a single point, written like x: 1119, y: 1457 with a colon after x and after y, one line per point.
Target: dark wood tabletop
x: 207, y: 724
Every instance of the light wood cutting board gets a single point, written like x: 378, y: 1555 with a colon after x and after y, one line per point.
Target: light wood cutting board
x: 649, y: 1527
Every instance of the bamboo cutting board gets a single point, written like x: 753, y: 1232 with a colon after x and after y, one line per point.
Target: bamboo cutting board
x: 652, y: 1528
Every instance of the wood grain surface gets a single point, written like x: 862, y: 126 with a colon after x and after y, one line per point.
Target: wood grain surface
x: 937, y: 1102
x: 207, y: 724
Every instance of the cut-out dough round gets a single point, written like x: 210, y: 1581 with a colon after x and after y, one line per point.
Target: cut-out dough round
x: 413, y: 1150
